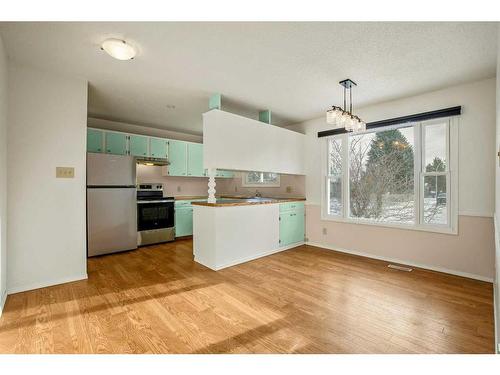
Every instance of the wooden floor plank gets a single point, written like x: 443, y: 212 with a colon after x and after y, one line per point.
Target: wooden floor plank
x: 305, y: 300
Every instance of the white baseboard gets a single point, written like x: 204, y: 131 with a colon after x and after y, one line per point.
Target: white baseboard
x: 248, y: 259
x: 3, y: 298
x: 44, y: 284
x: 405, y: 262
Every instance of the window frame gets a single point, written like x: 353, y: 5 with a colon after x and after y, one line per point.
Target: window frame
x: 244, y: 182
x: 419, y: 174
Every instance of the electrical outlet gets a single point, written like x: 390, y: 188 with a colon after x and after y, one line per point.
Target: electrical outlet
x: 288, y: 189
x: 178, y: 188
x: 65, y: 172
x: 324, y: 231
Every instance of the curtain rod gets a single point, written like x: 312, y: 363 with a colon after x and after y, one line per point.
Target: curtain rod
x: 446, y: 112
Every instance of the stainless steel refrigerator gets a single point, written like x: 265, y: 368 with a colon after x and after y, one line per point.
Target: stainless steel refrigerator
x: 111, y: 204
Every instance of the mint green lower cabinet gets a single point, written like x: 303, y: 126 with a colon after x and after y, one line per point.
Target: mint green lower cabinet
x: 116, y: 143
x: 159, y: 148
x: 177, y: 156
x: 138, y: 145
x: 94, y: 140
x: 183, y: 221
x: 195, y: 160
x: 291, y: 227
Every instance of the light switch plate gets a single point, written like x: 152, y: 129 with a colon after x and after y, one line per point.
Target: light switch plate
x: 65, y: 172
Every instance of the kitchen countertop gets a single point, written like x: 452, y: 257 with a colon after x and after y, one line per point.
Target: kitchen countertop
x: 247, y: 201
x: 189, y: 197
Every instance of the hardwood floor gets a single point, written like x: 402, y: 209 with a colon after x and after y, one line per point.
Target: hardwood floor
x: 305, y: 300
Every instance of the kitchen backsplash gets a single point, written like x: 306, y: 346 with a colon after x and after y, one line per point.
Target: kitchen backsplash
x: 290, y: 185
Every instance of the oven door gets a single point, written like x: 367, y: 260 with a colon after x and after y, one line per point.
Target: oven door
x: 154, y: 215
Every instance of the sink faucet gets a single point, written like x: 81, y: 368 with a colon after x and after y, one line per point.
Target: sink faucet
x: 257, y: 194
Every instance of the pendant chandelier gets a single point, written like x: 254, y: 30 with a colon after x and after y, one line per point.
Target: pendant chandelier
x: 343, y: 118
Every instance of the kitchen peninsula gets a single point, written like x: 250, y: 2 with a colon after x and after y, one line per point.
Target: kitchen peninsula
x: 234, y: 231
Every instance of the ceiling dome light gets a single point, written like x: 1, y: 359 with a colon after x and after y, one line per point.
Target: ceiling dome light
x: 119, y: 49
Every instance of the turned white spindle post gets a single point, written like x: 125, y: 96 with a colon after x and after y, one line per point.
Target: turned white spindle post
x: 211, y: 185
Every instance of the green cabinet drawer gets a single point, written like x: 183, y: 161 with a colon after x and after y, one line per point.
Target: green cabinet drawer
x: 184, y: 221
x: 138, y: 145
x: 181, y: 203
x: 116, y: 143
x: 95, y: 140
x: 177, y: 155
x: 195, y: 160
x: 159, y: 148
x: 288, y: 206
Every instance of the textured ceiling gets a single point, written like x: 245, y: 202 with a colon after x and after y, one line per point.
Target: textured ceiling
x: 291, y: 68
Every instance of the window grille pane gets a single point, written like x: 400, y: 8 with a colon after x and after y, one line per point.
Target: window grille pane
x: 435, y: 200
x: 335, y: 196
x: 381, y: 176
x: 334, y: 156
x: 435, y: 148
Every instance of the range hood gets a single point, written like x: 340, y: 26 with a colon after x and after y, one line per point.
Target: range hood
x: 152, y: 161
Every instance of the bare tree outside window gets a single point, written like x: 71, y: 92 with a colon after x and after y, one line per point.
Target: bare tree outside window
x: 370, y: 177
x: 261, y: 179
x: 381, y: 176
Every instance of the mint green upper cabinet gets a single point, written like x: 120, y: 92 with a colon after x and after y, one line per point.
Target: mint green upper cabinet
x: 195, y: 159
x: 158, y: 147
x: 177, y: 156
x: 138, y: 145
x: 94, y: 140
x: 116, y: 143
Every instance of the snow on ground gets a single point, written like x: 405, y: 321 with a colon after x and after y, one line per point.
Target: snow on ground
x: 403, y: 212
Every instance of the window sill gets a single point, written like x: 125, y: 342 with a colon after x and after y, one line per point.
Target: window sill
x: 421, y: 228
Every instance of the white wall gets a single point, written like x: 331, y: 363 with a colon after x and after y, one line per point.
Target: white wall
x: 47, y: 128
x: 238, y: 143
x: 3, y: 175
x: 475, y: 253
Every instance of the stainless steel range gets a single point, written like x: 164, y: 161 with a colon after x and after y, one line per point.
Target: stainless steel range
x: 155, y: 215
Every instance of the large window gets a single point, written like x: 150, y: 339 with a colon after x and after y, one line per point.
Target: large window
x: 396, y: 176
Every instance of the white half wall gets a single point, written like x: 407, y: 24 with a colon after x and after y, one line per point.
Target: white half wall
x: 225, y: 236
x: 3, y: 175
x: 238, y: 143
x: 469, y: 253
x: 47, y: 128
